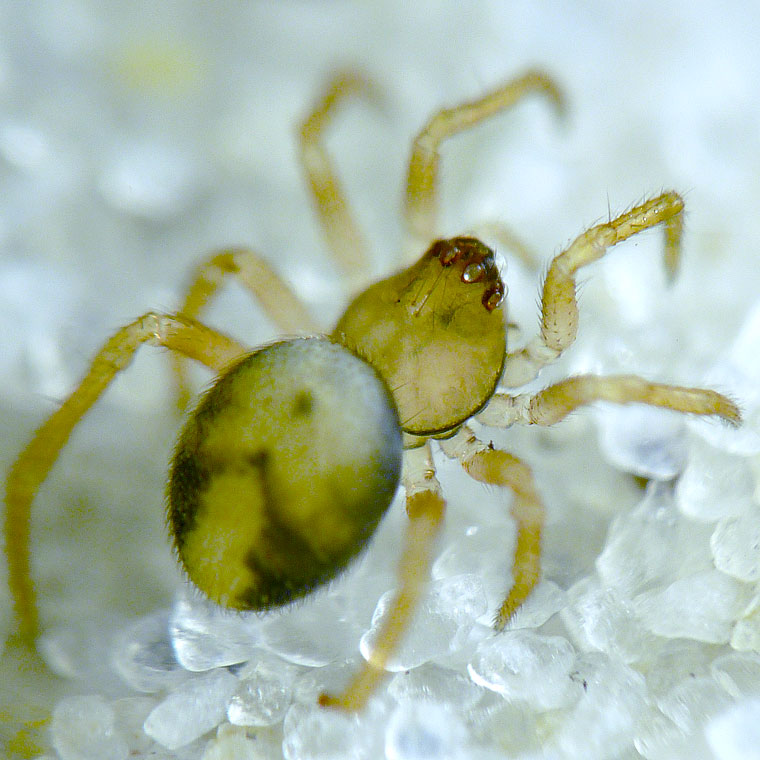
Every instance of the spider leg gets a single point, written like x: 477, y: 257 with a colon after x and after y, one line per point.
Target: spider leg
x: 336, y: 218
x: 557, y: 401
x: 421, y: 200
x: 425, y: 507
x: 177, y: 333
x: 276, y: 298
x: 487, y: 464
x: 559, y: 307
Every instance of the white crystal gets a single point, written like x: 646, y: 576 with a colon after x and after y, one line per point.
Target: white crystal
x: 738, y: 673
x: 735, y: 733
x: 437, y: 684
x: 485, y: 551
x: 603, y: 721
x: 525, y: 665
x: 651, y: 545
x: 666, y: 662
x: 313, y: 633
x: 84, y: 728
x: 131, y: 713
x: 264, y: 692
x: 644, y: 440
x: 598, y: 618
x: 746, y: 633
x: 692, y: 701
x: 512, y: 726
x: 231, y: 743
x: 191, y: 710
x: 440, y: 626
x: 658, y: 738
x: 207, y: 636
x: 702, y: 606
x: 330, y: 679
x: 313, y: 733
x: 714, y: 484
x: 81, y: 652
x: 424, y: 731
x: 143, y: 655
x: 735, y: 545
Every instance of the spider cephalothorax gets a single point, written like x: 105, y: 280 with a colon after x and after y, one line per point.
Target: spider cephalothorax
x: 436, y: 332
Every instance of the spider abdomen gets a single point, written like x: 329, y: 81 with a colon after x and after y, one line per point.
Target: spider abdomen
x: 283, y: 473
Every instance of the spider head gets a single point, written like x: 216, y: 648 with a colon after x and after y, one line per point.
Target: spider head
x: 436, y: 332
x: 474, y: 262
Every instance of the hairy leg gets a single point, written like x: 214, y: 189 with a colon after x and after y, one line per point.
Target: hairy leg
x: 421, y: 202
x: 559, y: 307
x: 280, y: 303
x: 489, y: 465
x: 557, y: 401
x: 177, y: 333
x: 425, y: 507
x: 341, y: 231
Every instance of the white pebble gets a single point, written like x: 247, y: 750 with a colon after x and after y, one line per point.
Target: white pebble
x: 738, y: 673
x: 143, y: 655
x: 264, y: 691
x: 84, y: 728
x: 746, y: 633
x: 424, y: 731
x: 436, y: 684
x: 313, y: 634
x: 735, y: 545
x: 485, y: 551
x: 603, y: 722
x: 665, y: 662
x: 643, y: 440
x: 525, y: 665
x: 735, y: 733
x: 206, y: 636
x: 715, y: 484
x: 651, y: 545
x: 599, y: 618
x: 702, y: 606
x: 313, y: 733
x: 692, y: 701
x: 191, y: 710
x: 232, y: 743
x: 131, y: 713
x: 658, y: 738
x: 441, y: 624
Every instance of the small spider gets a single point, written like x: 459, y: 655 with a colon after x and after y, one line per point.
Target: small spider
x: 289, y: 461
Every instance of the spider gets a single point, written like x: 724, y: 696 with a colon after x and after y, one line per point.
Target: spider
x: 288, y: 462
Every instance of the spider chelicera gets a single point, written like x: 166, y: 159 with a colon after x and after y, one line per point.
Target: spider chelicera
x: 289, y: 461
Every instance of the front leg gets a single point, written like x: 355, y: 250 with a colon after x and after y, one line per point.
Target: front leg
x: 554, y: 403
x: 559, y: 307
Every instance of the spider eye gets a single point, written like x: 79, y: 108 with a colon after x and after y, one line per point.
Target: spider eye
x: 283, y: 473
x: 492, y: 299
x: 473, y: 272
